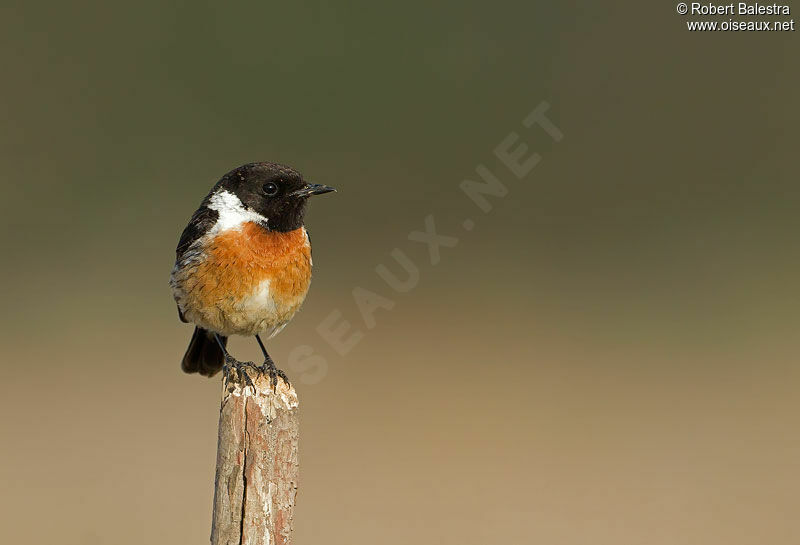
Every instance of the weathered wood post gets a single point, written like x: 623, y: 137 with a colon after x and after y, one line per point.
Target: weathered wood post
x: 257, y: 468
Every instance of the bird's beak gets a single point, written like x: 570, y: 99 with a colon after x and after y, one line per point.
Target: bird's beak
x: 312, y: 189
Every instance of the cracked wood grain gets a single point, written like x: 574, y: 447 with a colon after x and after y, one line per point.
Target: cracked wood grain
x: 257, y: 468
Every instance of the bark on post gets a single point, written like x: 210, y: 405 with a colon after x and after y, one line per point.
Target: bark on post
x: 257, y: 469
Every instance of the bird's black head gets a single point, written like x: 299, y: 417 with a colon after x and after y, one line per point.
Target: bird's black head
x: 277, y: 192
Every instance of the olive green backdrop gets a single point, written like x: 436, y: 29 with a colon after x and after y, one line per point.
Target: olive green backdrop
x: 609, y: 356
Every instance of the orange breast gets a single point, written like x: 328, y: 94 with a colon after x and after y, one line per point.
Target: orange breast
x: 254, y: 254
x: 219, y: 289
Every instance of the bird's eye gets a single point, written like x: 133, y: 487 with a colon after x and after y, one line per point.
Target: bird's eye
x: 271, y: 189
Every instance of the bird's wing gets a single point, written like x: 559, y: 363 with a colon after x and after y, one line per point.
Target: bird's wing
x: 202, y: 220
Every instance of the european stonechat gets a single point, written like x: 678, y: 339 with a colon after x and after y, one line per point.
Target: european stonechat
x: 243, y: 264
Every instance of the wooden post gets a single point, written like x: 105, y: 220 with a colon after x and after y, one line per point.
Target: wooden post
x: 257, y: 469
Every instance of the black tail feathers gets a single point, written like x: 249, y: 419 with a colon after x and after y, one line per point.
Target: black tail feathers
x: 204, y: 355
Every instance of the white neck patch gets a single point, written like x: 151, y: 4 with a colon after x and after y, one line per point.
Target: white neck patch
x: 232, y: 213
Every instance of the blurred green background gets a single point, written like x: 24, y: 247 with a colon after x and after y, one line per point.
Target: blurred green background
x: 609, y: 357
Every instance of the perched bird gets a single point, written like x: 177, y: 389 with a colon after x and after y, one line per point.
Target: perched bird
x: 243, y: 264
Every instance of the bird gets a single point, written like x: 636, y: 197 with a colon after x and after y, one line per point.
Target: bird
x: 243, y: 263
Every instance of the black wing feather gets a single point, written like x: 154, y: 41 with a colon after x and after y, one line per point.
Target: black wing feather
x: 202, y: 220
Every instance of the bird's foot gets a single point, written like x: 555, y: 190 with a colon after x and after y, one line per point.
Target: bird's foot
x: 269, y: 368
x: 240, y: 367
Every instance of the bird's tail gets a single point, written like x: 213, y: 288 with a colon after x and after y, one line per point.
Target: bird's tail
x: 204, y: 355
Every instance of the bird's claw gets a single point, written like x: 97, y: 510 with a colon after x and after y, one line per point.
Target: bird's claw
x: 269, y: 368
x: 232, y: 363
